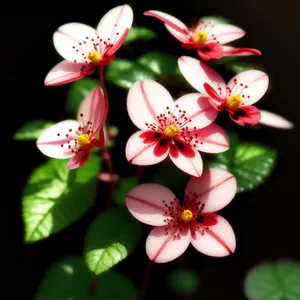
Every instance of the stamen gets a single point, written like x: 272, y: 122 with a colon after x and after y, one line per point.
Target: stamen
x: 233, y: 102
x: 187, y: 216
x: 200, y: 37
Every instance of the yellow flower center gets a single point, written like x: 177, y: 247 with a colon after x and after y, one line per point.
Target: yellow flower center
x: 83, y: 139
x: 234, y: 101
x: 187, y: 216
x: 171, y: 131
x: 200, y: 37
x: 94, y: 57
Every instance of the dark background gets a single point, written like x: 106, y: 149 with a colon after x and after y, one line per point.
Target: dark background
x: 265, y: 220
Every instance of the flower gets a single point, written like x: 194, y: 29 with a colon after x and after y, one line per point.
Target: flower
x: 74, y: 139
x: 237, y: 97
x: 194, y: 221
x: 177, y: 129
x: 273, y: 120
x: 85, y: 48
x: 206, y: 37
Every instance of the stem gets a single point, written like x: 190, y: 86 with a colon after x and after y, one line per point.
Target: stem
x: 146, y: 281
x: 139, y: 172
x: 105, y: 153
x: 107, y: 158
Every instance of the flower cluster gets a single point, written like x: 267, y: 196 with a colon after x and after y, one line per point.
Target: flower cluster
x: 178, y: 130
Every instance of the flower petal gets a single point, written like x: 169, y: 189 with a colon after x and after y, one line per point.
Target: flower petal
x: 232, y: 51
x: 212, y: 139
x: 178, y: 29
x: 147, y: 201
x: 147, y: 99
x: 225, y: 33
x: 163, y: 247
x: 246, y: 115
x: 271, y: 119
x: 93, y: 109
x: 216, y: 188
x: 197, y: 73
x: 67, y: 37
x: 218, y: 240
x: 191, y: 164
x: 78, y: 160
x: 254, y: 85
x: 65, y: 72
x: 198, y: 110
x: 49, y: 142
x: 140, y: 153
x: 115, y: 25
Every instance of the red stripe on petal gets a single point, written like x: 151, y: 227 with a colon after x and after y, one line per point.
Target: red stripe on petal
x: 160, y: 250
x: 163, y: 209
x: 147, y: 101
x: 211, y: 92
x: 140, y: 152
x: 215, y: 186
x: 217, y: 238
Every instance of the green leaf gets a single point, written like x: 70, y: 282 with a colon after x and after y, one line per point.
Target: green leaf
x: 171, y: 177
x: 54, y: 197
x: 184, y: 281
x: 241, y: 66
x: 124, y: 73
x: 77, y: 92
x: 110, y: 239
x: 274, y: 281
x: 160, y: 63
x: 251, y: 163
x: 216, y: 20
x: 70, y: 279
x: 31, y: 130
x: 137, y: 33
x: 123, y: 187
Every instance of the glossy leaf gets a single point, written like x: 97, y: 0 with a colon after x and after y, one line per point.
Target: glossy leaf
x: 274, y: 281
x: 123, y: 187
x: 251, y: 163
x: 70, y: 279
x: 110, y: 239
x: 161, y: 63
x: 137, y: 33
x: 54, y: 197
x: 124, y: 73
x: 78, y: 90
x: 31, y: 130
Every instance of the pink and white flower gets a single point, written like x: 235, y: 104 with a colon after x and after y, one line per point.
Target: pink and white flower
x: 175, y: 129
x: 194, y: 221
x: 75, y: 138
x: 237, y: 97
x: 85, y: 48
x: 207, y: 38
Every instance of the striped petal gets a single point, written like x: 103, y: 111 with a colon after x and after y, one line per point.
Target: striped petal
x: 147, y: 203
x: 163, y: 246
x: 218, y: 240
x: 215, y: 189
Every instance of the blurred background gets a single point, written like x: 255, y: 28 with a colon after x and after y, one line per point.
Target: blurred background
x: 265, y: 220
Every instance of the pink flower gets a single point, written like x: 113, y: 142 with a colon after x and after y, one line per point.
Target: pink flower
x: 206, y: 37
x: 194, y: 221
x: 85, y: 48
x: 237, y: 97
x: 177, y: 129
x: 74, y: 139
